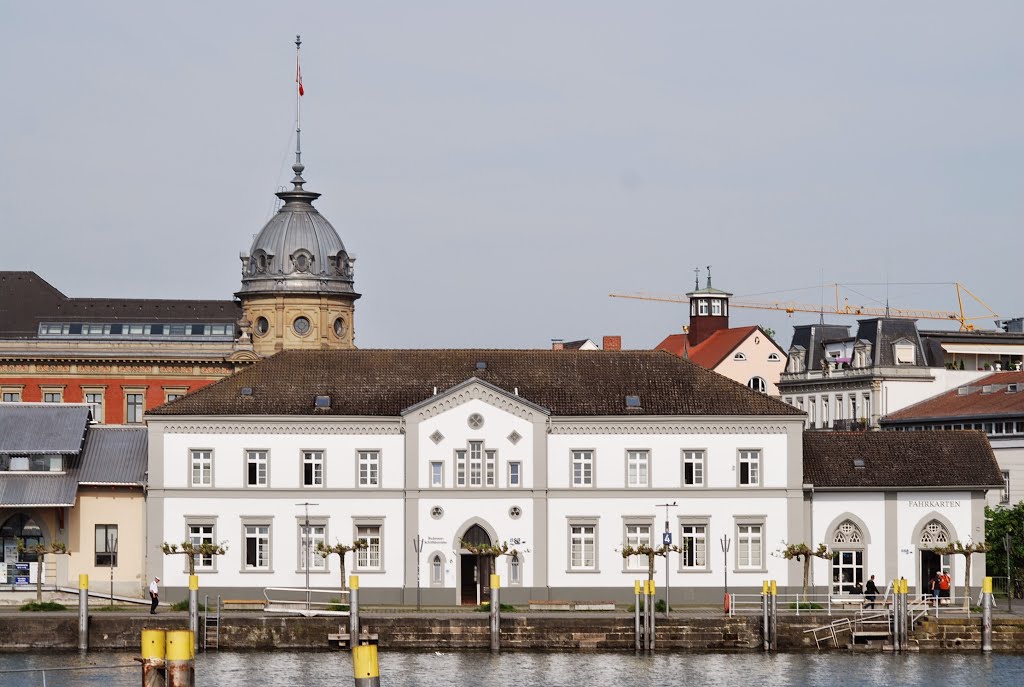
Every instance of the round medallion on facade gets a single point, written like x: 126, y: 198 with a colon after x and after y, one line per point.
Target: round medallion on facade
x: 301, y: 325
x: 475, y: 421
x: 437, y: 512
x: 514, y: 512
x: 262, y: 326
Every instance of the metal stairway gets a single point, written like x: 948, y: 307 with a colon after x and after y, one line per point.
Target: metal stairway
x: 211, y: 625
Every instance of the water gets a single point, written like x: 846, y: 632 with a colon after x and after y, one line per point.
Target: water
x: 520, y: 669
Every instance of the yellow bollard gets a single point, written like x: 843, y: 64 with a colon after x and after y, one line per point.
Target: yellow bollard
x: 365, y: 671
x: 353, y: 582
x: 83, y: 612
x: 986, y: 585
x: 774, y: 588
x: 904, y: 587
x: 153, y: 652
x: 764, y: 587
x: 181, y: 667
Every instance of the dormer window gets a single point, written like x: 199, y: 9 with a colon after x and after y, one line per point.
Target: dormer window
x: 796, y: 362
x: 861, y: 358
x: 740, y: 356
x: 904, y: 354
x: 773, y: 357
x: 302, y: 260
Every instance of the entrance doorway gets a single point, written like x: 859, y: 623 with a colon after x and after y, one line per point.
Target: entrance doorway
x: 19, y: 526
x: 932, y: 563
x: 474, y: 571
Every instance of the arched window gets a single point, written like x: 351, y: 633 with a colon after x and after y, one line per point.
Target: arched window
x: 476, y: 535
x: 515, y: 571
x: 740, y: 356
x: 847, y: 558
x: 758, y: 384
x: 773, y: 357
x: 934, y: 535
x: 436, y: 570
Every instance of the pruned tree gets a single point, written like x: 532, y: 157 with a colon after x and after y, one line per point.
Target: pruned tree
x: 489, y: 551
x: 803, y: 552
x: 966, y: 550
x: 41, y: 551
x: 650, y: 552
x: 190, y: 549
x: 324, y: 551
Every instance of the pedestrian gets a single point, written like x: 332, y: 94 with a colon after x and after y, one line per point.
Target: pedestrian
x: 870, y: 592
x: 944, y: 582
x: 154, y: 594
x: 935, y: 588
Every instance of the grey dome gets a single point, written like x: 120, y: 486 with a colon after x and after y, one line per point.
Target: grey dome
x: 297, y: 251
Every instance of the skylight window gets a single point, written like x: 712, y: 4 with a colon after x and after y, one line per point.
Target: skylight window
x: 858, y: 463
x: 246, y: 391
x: 323, y: 402
x: 632, y: 401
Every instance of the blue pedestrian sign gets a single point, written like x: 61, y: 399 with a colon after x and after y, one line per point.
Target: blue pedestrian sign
x: 666, y: 538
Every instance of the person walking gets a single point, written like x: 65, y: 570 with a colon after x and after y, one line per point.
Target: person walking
x: 154, y: 594
x: 944, y: 584
x: 935, y: 588
x: 870, y: 592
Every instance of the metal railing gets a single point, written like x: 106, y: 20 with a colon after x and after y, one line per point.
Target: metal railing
x: 750, y: 604
x: 307, y: 602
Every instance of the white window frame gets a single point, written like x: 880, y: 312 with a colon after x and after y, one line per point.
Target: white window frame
x: 317, y: 534
x: 1004, y: 496
x: 758, y: 384
x: 260, y: 458
x: 638, y: 468
x: 200, y: 468
x: 698, y: 459
x: 695, y: 530
x: 716, y: 306
x: 740, y: 357
x: 314, y: 458
x: 439, y: 482
x: 750, y: 532
x: 261, y: 532
x: 637, y: 531
x: 368, y: 468
x: 133, y: 412
x: 461, y: 467
x: 95, y: 404
x: 515, y: 474
x: 194, y: 529
x: 582, y: 468
x: 582, y: 540
x: 752, y: 459
x: 490, y: 467
x: 370, y: 559
x: 702, y: 306
x: 53, y: 395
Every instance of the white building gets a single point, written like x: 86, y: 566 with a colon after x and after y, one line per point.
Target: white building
x: 566, y: 455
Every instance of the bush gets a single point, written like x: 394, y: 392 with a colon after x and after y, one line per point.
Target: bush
x: 806, y: 606
x: 486, y: 607
x: 336, y: 605
x: 659, y: 606
x: 43, y: 606
x: 183, y: 606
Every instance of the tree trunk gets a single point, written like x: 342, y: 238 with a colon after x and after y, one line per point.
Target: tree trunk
x: 343, y: 584
x: 807, y: 574
x: 967, y: 583
x: 40, y: 567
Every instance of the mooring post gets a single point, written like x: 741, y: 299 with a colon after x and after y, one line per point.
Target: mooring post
x: 986, y: 614
x: 894, y: 610
x: 650, y: 607
x: 904, y: 613
x: 765, y: 632
x: 154, y: 648
x: 365, y: 671
x: 83, y: 612
x: 636, y: 616
x: 353, y: 611
x: 495, y: 613
x: 180, y: 659
x: 193, y: 609
x: 773, y: 620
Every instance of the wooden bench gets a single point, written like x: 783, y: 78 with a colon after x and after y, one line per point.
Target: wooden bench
x: 572, y: 605
x: 550, y: 605
x: 243, y: 604
x: 848, y: 600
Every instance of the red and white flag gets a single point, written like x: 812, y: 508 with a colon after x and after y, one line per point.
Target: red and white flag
x: 298, y: 77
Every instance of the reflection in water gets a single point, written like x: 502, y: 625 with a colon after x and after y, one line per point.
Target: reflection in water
x: 523, y: 669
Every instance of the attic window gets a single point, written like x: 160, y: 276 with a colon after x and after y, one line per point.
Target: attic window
x: 989, y: 388
x: 963, y: 391
x: 481, y: 365
x: 632, y: 401
x: 322, y: 402
x: 904, y: 354
x: 858, y: 463
x: 740, y: 355
x: 1012, y: 388
x: 246, y: 391
x: 773, y: 357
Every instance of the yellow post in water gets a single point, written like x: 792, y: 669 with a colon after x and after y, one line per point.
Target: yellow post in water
x: 181, y: 667
x: 365, y: 671
x: 154, y: 648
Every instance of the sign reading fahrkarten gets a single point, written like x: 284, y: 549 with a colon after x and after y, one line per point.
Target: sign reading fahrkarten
x: 934, y: 504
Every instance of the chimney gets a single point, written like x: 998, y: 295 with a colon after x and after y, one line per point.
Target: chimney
x: 612, y: 343
x: 557, y: 344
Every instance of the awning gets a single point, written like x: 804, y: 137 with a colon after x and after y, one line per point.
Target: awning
x: 983, y: 349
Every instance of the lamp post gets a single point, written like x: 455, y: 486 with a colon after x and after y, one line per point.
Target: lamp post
x: 305, y: 538
x: 1008, y: 545
x: 725, y: 563
x: 417, y: 544
x: 666, y: 540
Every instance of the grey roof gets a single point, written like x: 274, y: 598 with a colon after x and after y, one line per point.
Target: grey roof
x: 883, y: 332
x: 271, y: 265
x: 39, y: 490
x: 384, y: 383
x: 810, y: 337
x: 114, y: 455
x: 28, y: 428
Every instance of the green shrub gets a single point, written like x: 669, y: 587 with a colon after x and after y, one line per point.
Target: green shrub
x: 336, y: 605
x: 183, y: 606
x: 806, y: 606
x: 43, y: 606
x: 485, y: 607
x: 659, y: 606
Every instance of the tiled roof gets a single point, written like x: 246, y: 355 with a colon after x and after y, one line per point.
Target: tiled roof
x: 114, y: 455
x: 382, y: 383
x: 948, y: 459
x: 26, y: 299
x: 713, y: 350
x: 28, y: 428
x: 976, y: 402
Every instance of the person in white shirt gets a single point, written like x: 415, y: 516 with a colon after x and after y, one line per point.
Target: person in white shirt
x: 154, y: 594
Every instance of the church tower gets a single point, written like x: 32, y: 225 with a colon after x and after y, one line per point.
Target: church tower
x: 709, y: 310
x: 297, y: 278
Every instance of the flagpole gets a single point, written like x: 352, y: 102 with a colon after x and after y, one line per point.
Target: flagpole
x: 298, y: 102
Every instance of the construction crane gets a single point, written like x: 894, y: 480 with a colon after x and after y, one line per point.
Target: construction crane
x: 845, y: 308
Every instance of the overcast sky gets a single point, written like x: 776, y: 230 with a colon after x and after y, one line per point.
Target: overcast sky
x: 500, y: 168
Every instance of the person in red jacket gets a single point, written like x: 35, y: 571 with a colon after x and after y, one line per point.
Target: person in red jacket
x: 944, y: 582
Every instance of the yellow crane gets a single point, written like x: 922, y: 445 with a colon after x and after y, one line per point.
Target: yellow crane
x: 845, y: 308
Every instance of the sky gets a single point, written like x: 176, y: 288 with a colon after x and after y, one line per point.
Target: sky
x: 499, y: 168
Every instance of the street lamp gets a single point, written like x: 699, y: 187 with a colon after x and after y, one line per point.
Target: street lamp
x: 666, y: 540
x: 305, y: 537
x: 417, y: 544
x: 725, y: 564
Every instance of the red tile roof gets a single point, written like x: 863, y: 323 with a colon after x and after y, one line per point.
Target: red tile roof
x: 713, y: 350
x: 977, y: 402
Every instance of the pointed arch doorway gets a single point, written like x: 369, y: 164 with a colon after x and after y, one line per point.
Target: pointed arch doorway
x: 474, y: 571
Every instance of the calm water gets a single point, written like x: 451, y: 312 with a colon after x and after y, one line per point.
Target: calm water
x: 542, y: 670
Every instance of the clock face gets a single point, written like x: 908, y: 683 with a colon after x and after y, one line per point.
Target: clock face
x: 340, y: 328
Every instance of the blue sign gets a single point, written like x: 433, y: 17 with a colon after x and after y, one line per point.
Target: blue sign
x: 666, y: 538
x: 21, y: 580
x: 21, y: 566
